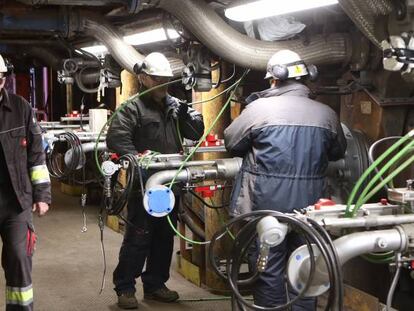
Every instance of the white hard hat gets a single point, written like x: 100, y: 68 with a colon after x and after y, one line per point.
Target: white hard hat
x: 3, y: 67
x: 286, y: 59
x: 156, y: 64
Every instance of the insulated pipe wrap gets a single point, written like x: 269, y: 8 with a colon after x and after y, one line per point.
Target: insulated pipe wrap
x: 247, y: 52
x: 125, y: 54
x: 363, y: 14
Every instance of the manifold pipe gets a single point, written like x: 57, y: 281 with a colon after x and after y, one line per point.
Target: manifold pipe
x: 186, y: 175
x: 223, y: 169
x: 368, y: 221
x: 177, y: 164
x: 201, y: 20
x: 87, y: 147
x: 348, y: 247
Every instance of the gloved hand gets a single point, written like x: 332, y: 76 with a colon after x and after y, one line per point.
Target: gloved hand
x: 182, y: 110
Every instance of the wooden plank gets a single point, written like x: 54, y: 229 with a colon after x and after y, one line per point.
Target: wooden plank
x: 188, y: 270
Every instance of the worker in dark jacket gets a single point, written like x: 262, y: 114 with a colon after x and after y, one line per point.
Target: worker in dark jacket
x: 149, y: 123
x: 286, y: 141
x: 24, y: 187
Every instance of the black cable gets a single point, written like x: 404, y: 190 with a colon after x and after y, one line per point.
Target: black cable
x: 54, y: 158
x: 232, y: 75
x: 339, y: 277
x: 118, y: 202
x: 311, y: 235
x: 101, y: 229
x: 205, y: 203
x: 82, y: 87
x: 234, y: 267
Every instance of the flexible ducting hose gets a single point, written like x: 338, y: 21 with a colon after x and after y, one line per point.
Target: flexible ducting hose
x: 125, y: 54
x: 204, y: 23
x: 363, y: 14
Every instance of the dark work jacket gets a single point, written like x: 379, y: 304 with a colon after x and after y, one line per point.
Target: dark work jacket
x: 21, y: 141
x: 286, y: 141
x: 144, y: 125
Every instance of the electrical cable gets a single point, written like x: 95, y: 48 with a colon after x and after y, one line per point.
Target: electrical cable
x: 118, y: 203
x: 205, y: 203
x: 195, y: 149
x: 82, y: 87
x: 231, y: 76
x: 54, y: 158
x: 311, y: 234
x: 394, y: 283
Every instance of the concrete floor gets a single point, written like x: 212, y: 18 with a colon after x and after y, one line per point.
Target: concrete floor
x: 67, y: 266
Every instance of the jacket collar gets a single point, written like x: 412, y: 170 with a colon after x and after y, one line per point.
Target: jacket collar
x: 287, y: 88
x: 5, y: 101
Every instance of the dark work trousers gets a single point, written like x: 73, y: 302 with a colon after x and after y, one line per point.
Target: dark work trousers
x: 150, y: 240
x: 270, y: 289
x: 16, y: 230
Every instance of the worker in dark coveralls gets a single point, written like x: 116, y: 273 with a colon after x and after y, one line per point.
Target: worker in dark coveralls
x: 286, y: 141
x: 149, y: 123
x: 24, y: 187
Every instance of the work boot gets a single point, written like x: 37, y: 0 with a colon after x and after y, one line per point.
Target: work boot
x: 162, y: 294
x: 127, y: 301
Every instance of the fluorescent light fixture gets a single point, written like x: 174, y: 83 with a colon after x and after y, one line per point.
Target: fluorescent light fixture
x: 266, y: 8
x: 150, y: 36
x: 96, y: 49
x: 140, y: 38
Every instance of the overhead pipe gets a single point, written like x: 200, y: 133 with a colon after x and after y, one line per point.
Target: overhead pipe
x: 99, y: 28
x: 63, y: 22
x: 132, y: 5
x: 204, y: 23
x: 364, y: 13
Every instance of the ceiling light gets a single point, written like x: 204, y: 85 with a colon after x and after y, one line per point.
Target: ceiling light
x: 266, y: 8
x: 95, y: 49
x: 140, y: 38
x: 150, y: 36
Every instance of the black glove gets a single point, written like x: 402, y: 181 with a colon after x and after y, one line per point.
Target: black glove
x: 182, y: 110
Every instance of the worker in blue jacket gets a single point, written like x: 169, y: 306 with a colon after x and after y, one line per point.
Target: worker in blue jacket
x: 286, y: 140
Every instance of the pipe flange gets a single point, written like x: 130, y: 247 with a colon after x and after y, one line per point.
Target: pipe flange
x: 298, y: 261
x: 159, y: 201
x: 407, y: 236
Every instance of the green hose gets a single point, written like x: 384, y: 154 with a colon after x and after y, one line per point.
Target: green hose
x: 372, y: 182
x: 348, y: 212
x: 235, y: 85
x: 404, y: 165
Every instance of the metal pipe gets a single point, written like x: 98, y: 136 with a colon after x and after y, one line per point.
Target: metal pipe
x: 351, y: 246
x: 177, y: 164
x: 368, y: 221
x: 63, y: 22
x: 88, y: 147
x: 163, y: 177
x: 132, y: 5
x: 247, y: 52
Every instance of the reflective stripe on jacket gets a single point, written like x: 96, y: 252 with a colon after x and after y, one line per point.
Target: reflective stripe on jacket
x: 21, y: 140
